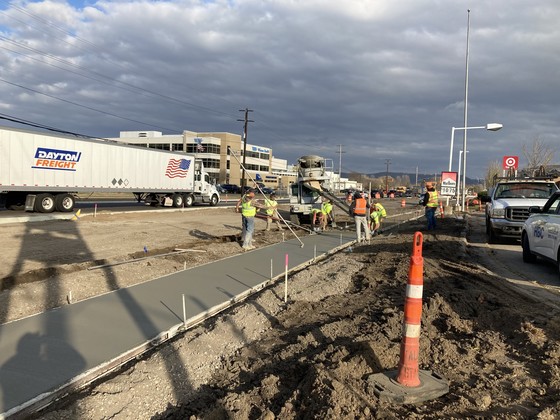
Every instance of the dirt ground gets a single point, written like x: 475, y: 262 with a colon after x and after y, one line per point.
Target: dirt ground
x: 312, y: 357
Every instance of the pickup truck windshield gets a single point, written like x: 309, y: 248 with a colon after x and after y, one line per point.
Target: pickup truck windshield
x: 524, y: 190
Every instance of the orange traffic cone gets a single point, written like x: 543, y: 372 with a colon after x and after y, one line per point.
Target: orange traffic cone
x: 441, y: 209
x: 410, y: 345
x: 408, y: 384
x: 403, y: 203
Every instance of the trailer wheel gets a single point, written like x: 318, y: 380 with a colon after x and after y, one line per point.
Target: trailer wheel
x: 189, y: 200
x: 64, y: 202
x: 214, y: 200
x: 178, y: 200
x: 44, y: 203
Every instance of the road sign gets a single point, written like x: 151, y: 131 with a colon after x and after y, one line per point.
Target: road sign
x: 510, y: 162
x: 448, y: 184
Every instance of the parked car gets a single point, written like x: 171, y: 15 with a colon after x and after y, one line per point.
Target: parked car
x: 231, y: 188
x: 539, y: 236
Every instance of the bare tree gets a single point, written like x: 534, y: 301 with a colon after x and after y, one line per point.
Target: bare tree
x: 537, y: 154
x: 492, y: 171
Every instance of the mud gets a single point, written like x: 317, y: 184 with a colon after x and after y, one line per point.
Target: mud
x: 497, y: 347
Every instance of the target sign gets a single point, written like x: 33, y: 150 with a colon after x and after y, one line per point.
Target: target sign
x: 510, y: 162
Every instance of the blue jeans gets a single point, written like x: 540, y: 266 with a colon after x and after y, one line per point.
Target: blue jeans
x: 431, y: 216
x: 248, y: 227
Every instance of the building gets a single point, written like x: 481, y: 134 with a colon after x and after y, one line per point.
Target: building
x: 221, y: 154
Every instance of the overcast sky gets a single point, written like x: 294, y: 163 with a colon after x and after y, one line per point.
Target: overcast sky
x: 385, y: 79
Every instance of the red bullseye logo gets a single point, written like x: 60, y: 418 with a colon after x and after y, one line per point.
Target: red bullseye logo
x: 510, y: 162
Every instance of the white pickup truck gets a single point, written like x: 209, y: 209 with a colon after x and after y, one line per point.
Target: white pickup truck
x: 540, y: 236
x: 508, y: 205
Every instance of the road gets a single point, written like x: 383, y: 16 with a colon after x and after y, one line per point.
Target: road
x: 505, y: 259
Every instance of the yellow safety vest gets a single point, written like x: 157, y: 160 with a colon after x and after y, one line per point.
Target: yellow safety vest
x: 381, y: 210
x: 247, y: 208
x: 433, y: 200
x: 270, y: 203
x: 326, y: 208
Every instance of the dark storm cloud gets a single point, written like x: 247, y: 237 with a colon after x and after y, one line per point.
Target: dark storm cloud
x: 383, y: 79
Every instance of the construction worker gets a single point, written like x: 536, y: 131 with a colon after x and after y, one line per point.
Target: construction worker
x: 316, y: 217
x: 380, y: 214
x: 430, y: 202
x: 375, y: 217
x: 359, y: 209
x: 327, y: 210
x: 248, y: 206
x: 272, y: 211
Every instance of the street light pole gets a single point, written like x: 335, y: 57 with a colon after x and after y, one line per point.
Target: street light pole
x: 459, y: 175
x: 489, y: 127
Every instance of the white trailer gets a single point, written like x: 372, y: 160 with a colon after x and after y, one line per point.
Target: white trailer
x: 43, y: 172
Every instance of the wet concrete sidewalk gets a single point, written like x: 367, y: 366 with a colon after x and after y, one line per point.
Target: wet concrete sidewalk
x: 42, y: 354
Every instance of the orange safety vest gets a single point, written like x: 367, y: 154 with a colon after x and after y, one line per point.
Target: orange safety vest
x: 360, y: 207
x: 433, y: 201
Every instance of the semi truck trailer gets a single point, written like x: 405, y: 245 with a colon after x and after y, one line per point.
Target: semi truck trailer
x: 44, y: 172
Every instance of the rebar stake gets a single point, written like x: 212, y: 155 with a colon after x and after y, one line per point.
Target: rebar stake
x: 184, y: 312
x: 286, y: 281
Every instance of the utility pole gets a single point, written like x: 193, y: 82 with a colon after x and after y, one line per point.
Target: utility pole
x: 246, y: 121
x: 388, y: 162
x: 340, y: 152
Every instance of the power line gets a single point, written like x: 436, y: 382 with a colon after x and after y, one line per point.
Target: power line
x: 45, y: 127
x: 82, y: 106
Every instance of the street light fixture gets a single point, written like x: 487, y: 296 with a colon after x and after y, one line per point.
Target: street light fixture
x: 489, y: 127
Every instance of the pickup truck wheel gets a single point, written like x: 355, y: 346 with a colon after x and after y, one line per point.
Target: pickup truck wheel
x: 44, y: 203
x: 492, y: 237
x: 528, y: 257
x: 214, y: 200
x: 64, y: 203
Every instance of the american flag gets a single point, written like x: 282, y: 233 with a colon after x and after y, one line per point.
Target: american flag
x: 177, y: 168
x: 199, y: 148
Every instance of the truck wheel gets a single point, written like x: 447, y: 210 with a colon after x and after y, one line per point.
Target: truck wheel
x: 491, y: 235
x: 44, y: 203
x: 189, y: 200
x: 64, y: 203
x: 528, y: 257
x: 214, y: 200
x: 178, y: 200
